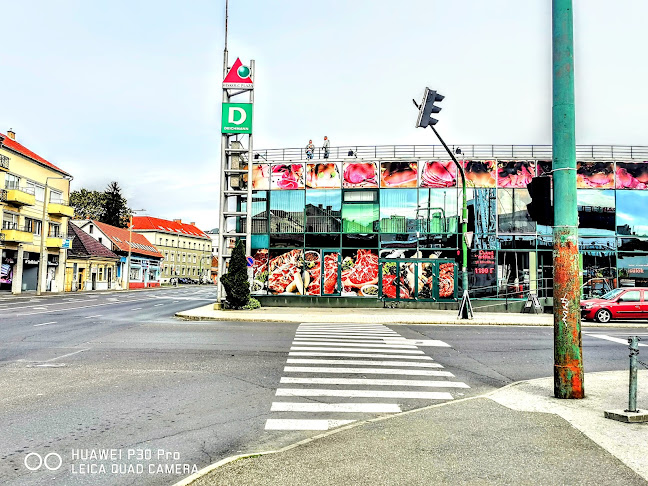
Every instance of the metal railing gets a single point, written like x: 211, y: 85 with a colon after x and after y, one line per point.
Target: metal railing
x: 541, y: 152
x: 59, y: 200
x: 4, y: 162
x: 3, y: 195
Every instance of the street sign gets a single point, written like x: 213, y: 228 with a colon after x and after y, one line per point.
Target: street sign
x: 250, y: 261
x: 238, y: 77
x: 237, y: 118
x: 67, y: 244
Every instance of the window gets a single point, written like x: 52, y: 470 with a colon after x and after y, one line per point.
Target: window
x: 184, y: 258
x: 37, y: 190
x: 100, y: 275
x: 166, y: 242
x: 360, y: 213
x: 166, y: 255
x: 100, y: 239
x: 287, y: 212
x: 56, y: 197
x: 398, y: 210
x: 91, y: 229
x: 512, y: 214
x: 194, y: 258
x: 55, y: 230
x: 172, y: 256
x: 438, y: 210
x: 323, y: 211
x: 596, y: 211
x: 12, y: 181
x: 33, y: 226
x: 631, y: 296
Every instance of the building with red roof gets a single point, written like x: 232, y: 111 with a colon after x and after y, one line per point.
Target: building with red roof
x: 145, y: 258
x: 90, y: 264
x: 186, y: 248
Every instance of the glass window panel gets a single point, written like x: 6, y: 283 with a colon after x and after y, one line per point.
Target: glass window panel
x: 323, y: 211
x: 261, y: 176
x: 398, y: 240
x: 360, y: 196
x: 287, y: 211
x: 515, y: 173
x: 482, y: 216
x: 323, y: 176
x: 360, y: 174
x: 513, y: 273
x: 438, y: 210
x: 287, y: 176
x: 331, y: 273
x: 285, y: 272
x: 259, y: 212
x: 360, y: 218
x: 438, y: 173
x: 438, y: 241
x: 286, y: 240
x: 631, y: 213
x: 260, y: 241
x: 360, y: 241
x: 312, y: 272
x: 398, y: 210
x: 596, y: 210
x: 633, y: 270
x: 323, y: 240
x: 512, y: 214
x: 633, y: 244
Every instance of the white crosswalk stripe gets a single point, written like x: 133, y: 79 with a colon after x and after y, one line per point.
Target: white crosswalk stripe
x: 340, y: 357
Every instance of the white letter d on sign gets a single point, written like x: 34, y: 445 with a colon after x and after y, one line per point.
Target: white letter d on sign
x: 240, y: 111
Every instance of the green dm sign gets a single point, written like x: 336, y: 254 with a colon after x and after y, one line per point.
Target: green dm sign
x: 237, y: 118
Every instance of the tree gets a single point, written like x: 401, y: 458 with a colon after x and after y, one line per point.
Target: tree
x: 116, y: 211
x: 87, y: 204
x: 235, y: 281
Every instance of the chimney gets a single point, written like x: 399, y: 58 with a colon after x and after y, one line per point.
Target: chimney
x: 11, y: 134
x: 193, y: 223
x: 177, y: 221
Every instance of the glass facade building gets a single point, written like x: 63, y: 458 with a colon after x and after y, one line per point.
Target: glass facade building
x: 380, y: 227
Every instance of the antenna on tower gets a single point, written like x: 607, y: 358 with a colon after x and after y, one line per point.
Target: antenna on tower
x: 225, y: 50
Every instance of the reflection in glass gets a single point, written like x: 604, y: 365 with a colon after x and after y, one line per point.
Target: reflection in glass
x: 481, y: 210
x: 259, y: 212
x: 331, y: 272
x: 398, y: 210
x: 513, y: 273
x: 438, y: 210
x: 633, y: 270
x: 632, y: 213
x: 323, y: 211
x: 287, y: 211
x: 595, y: 211
x: 513, y: 216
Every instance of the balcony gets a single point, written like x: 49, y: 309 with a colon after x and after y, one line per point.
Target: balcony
x: 15, y: 234
x: 20, y: 196
x: 55, y: 241
x: 4, y: 162
x: 60, y: 208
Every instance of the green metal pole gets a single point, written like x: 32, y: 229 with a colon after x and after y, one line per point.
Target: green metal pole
x: 568, y: 360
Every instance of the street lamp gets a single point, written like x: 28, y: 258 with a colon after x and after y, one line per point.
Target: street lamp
x: 130, y: 244
x: 42, y: 263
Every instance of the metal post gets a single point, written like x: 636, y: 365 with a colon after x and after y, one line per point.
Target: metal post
x: 42, y: 263
x: 632, y: 392
x: 568, y: 361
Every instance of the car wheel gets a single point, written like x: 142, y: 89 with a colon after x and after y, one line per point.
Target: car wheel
x: 603, y: 315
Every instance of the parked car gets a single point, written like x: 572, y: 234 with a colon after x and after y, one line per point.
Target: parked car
x: 622, y: 303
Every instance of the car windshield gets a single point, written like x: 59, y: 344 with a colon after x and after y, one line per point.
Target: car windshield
x: 612, y: 294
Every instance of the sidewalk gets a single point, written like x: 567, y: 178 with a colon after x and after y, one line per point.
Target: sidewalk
x: 519, y: 434
x: 376, y: 316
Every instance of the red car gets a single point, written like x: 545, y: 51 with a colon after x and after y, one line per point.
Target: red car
x: 624, y: 303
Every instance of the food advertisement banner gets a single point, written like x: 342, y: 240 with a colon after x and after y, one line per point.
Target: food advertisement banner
x: 260, y: 272
x: 6, y: 273
x: 360, y: 174
x: 287, y: 176
x: 331, y: 270
x: 479, y: 173
x: 323, y: 176
x: 594, y: 175
x: 398, y: 174
x: 360, y: 273
x: 632, y: 175
x: 441, y: 173
x: 285, y: 272
x: 515, y: 174
x: 261, y: 177
x: 312, y: 272
x: 407, y: 280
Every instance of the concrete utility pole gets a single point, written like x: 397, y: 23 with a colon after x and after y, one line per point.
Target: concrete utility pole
x: 568, y: 360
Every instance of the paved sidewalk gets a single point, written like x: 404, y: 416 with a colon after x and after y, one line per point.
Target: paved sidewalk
x: 516, y: 435
x: 377, y: 316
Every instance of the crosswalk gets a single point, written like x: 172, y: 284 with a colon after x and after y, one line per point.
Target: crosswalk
x: 337, y: 374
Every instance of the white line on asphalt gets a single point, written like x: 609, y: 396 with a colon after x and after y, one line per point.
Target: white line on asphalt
x: 345, y: 335
x: 304, y: 424
x: 45, y: 324
x: 175, y: 301
x: 368, y: 340
x: 359, y: 350
x: 51, y: 311
x: 357, y: 345
x: 610, y: 338
x: 90, y: 317
x: 362, y: 362
x: 368, y: 371
x: 357, y: 355
x: 344, y: 329
x: 312, y: 392
x: 371, y: 381
x: 419, y: 342
x: 336, y: 407
x: 157, y: 305
x: 66, y: 355
x: 136, y: 308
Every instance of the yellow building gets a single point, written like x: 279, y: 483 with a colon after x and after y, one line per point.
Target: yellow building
x: 32, y: 228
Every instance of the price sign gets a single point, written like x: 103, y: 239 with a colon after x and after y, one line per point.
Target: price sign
x: 484, y: 273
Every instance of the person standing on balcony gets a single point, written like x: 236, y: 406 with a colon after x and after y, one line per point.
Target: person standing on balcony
x: 309, y: 149
x: 326, y: 147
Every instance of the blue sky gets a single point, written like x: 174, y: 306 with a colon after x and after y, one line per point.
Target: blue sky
x: 130, y: 90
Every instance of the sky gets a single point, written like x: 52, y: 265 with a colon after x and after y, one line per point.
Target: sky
x: 130, y: 90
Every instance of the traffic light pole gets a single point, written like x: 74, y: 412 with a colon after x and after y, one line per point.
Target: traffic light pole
x: 568, y: 361
x: 464, y: 214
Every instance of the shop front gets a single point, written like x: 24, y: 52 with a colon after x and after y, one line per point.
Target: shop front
x: 7, y: 268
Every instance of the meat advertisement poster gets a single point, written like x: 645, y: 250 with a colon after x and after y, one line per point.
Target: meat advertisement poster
x: 313, y: 266
x: 323, y: 176
x: 484, y: 272
x: 594, y: 175
x: 360, y: 174
x: 515, y: 174
x: 398, y: 277
x: 398, y: 174
x: 479, y: 173
x: 261, y: 177
x: 441, y: 173
x: 632, y: 175
x: 285, y: 272
x: 260, y: 272
x: 360, y: 273
x: 287, y: 176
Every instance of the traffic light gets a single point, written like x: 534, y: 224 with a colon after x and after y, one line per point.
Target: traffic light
x: 427, y: 107
x: 541, y: 208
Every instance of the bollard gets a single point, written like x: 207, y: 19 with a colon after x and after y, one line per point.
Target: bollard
x: 633, y: 341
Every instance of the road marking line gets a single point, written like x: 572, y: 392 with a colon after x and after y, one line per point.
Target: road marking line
x: 357, y: 355
x: 368, y: 340
x: 336, y: 407
x: 345, y: 335
x: 312, y: 392
x: 371, y: 381
x: 51, y: 311
x: 45, y: 324
x: 362, y: 362
x: 343, y: 329
x: 610, y: 338
x: 363, y: 350
x: 157, y: 305
x: 304, y: 424
x: 136, y: 308
x: 419, y: 342
x: 66, y: 355
x: 90, y: 317
x: 368, y: 371
x: 357, y: 345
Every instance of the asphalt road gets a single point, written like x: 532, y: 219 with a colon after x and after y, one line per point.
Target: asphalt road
x: 117, y: 374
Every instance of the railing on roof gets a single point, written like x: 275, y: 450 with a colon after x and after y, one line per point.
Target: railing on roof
x: 603, y: 152
x: 4, y: 162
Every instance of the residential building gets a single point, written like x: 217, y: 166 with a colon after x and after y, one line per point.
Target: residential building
x: 34, y: 195
x: 90, y: 265
x: 187, y: 250
x: 145, y: 259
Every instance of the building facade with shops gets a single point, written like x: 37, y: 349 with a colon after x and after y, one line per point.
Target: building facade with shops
x: 90, y: 265
x: 385, y: 222
x: 144, y: 268
x: 34, y: 197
